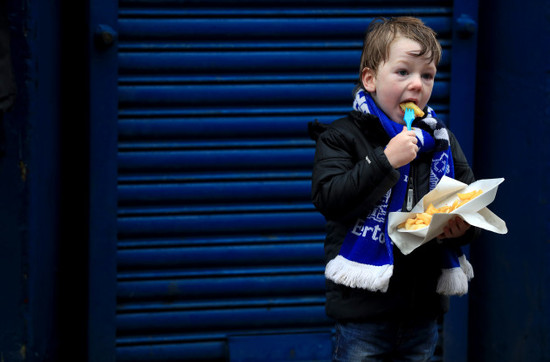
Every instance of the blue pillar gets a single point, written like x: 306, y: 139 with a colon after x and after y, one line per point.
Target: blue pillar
x: 510, y: 306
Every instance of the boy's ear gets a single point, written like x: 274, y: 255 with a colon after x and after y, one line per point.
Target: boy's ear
x: 368, y: 77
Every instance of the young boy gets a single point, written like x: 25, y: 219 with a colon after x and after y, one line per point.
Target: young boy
x: 367, y: 165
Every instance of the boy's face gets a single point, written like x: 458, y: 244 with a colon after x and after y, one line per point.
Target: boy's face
x: 403, y: 77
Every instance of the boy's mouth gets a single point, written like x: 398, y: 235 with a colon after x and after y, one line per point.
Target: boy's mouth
x: 411, y: 100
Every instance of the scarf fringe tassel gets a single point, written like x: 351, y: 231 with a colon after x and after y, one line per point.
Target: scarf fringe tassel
x: 452, y: 282
x: 356, y: 275
x: 466, y: 267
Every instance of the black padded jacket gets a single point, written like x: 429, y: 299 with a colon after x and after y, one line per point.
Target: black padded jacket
x: 350, y: 173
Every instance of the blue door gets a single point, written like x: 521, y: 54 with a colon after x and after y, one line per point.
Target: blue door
x: 204, y: 242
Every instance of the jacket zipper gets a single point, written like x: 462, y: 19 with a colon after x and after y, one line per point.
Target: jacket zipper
x: 410, y: 190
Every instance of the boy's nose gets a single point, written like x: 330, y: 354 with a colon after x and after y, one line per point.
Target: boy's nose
x: 415, y: 82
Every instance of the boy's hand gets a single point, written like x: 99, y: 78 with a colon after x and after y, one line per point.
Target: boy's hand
x: 454, y: 229
x: 402, y: 149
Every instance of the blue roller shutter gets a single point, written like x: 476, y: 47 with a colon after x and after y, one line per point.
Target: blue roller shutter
x: 217, y: 238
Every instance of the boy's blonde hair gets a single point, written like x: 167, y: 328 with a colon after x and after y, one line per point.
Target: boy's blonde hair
x: 383, y: 31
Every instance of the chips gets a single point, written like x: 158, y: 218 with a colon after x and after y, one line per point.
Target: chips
x: 421, y: 220
x: 417, y: 111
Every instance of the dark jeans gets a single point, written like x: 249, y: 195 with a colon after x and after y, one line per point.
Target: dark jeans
x: 387, y: 341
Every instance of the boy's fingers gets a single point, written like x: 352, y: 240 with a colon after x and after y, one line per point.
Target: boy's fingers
x: 456, y: 227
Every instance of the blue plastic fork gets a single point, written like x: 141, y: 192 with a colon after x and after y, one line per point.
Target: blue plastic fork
x: 409, y: 117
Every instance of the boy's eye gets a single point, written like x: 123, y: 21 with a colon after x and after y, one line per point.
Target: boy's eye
x: 402, y: 72
x: 428, y: 76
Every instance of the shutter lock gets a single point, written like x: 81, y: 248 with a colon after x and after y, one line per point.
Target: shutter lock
x: 466, y: 26
x: 105, y: 36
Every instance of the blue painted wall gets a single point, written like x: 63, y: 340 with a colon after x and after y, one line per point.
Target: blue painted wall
x: 43, y: 187
x: 18, y: 185
x: 30, y: 188
x: 509, y: 299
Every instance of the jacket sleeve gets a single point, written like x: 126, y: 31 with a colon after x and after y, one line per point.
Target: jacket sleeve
x: 346, y: 185
x: 463, y: 173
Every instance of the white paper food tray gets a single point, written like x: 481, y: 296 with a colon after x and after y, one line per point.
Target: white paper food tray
x: 474, y: 212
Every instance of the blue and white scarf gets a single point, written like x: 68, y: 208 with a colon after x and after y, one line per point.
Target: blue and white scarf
x: 366, y: 256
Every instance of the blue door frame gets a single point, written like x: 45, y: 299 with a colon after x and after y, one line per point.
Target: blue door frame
x: 103, y: 77
x: 463, y: 68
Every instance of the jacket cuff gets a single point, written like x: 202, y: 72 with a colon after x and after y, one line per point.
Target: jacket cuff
x: 384, y: 163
